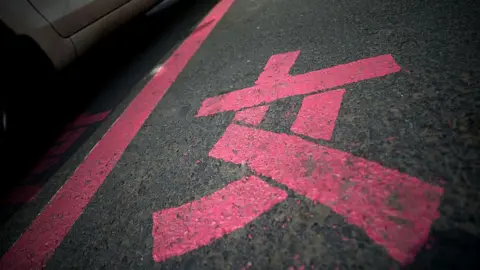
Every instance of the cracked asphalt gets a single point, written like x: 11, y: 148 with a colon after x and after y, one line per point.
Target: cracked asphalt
x: 422, y: 121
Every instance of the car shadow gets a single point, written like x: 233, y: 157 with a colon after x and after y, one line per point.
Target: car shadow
x: 46, y: 111
x: 451, y: 249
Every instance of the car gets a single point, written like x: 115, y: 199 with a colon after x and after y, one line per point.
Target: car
x: 65, y: 29
x: 45, y: 36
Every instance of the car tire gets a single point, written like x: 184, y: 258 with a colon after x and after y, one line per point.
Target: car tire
x: 26, y: 69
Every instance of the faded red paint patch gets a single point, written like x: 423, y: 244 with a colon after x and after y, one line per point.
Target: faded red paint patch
x: 21, y: 194
x: 179, y: 230
x: 65, y: 135
x: 317, y: 116
x: 271, y: 88
x: 395, y: 210
x: 35, y: 246
x: 391, y: 139
x: 88, y: 119
x: 45, y: 164
x: 67, y: 141
x: 251, y: 116
x: 27, y: 192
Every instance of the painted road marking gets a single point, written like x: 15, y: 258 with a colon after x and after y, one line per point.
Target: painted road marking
x: 251, y: 116
x: 68, y: 141
x: 33, y: 249
x: 317, y: 116
x: 72, y: 133
x: 269, y: 90
x: 68, y: 138
x: 179, y: 230
x: 45, y: 164
x: 277, y: 67
x: 395, y: 210
x: 88, y: 119
x: 29, y: 188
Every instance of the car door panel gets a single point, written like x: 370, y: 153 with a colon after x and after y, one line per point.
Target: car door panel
x: 70, y: 16
x: 88, y: 36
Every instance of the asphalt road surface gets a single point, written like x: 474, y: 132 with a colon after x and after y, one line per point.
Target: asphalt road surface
x: 267, y: 134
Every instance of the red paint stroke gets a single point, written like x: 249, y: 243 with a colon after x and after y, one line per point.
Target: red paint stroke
x: 317, y: 116
x: 179, y: 230
x: 391, y: 139
x: 277, y: 67
x: 39, y: 241
x: 21, y: 194
x: 395, y: 210
x: 65, y: 135
x: 86, y: 119
x: 68, y: 141
x: 251, y: 116
x: 45, y: 164
x: 300, y: 84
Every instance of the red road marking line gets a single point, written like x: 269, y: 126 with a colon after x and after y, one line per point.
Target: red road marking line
x: 277, y: 67
x: 86, y: 119
x: 395, y: 210
x: 38, y: 243
x: 251, y: 116
x: 21, y: 194
x: 317, y: 116
x: 68, y: 141
x: 179, y: 230
x: 300, y: 84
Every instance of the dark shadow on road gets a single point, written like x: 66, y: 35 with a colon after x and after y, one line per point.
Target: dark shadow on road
x: 96, y: 83
x: 451, y: 249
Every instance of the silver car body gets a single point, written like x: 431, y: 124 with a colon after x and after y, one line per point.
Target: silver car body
x: 65, y: 29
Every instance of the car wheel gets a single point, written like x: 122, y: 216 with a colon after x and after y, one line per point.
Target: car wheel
x: 25, y: 69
